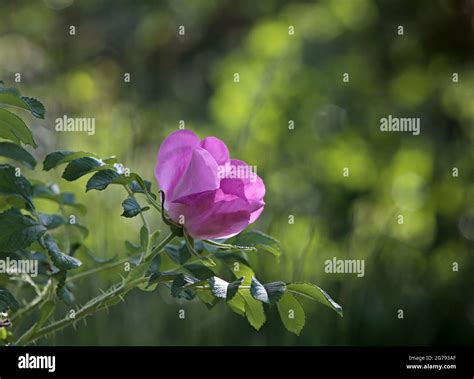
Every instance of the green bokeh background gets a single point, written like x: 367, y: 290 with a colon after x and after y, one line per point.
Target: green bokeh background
x: 282, y: 77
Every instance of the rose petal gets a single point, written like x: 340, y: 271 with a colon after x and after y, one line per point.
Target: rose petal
x: 200, y: 175
x: 213, y: 214
x: 173, y: 159
x: 250, y: 188
x: 217, y: 148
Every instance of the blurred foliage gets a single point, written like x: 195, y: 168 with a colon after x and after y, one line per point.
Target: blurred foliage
x: 282, y: 77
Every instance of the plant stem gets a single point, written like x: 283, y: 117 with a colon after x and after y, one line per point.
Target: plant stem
x: 93, y: 306
x: 100, y: 302
x: 105, y: 266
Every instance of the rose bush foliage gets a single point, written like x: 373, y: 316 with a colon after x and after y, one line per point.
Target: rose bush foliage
x: 205, y: 208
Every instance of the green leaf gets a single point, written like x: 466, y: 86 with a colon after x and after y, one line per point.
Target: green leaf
x: 237, y: 304
x: 291, y: 313
x: 17, y: 153
x: 101, y: 179
x: 180, y: 284
x: 268, y: 293
x: 80, y: 167
x: 241, y: 270
x: 253, y: 310
x: 35, y: 106
x: 61, y: 290
x: 222, y: 289
x: 199, y: 271
x: 179, y: 255
x: 7, y: 301
x: 14, y: 128
x: 11, y: 184
x: 11, y: 96
x: 233, y: 288
x: 165, y: 276
x: 131, y: 208
x: 59, y: 157
x: 144, y: 238
x: 206, y: 297
x: 313, y: 292
x: 18, y: 231
x: 59, y: 259
x: 136, y: 187
x: 257, y: 239
x: 218, y: 287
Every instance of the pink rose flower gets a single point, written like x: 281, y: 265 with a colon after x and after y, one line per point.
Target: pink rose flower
x: 217, y: 196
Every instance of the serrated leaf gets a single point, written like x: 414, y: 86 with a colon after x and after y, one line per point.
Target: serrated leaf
x: 180, y: 284
x: 35, y: 106
x: 199, y: 271
x: 7, y: 301
x: 11, y: 184
x: 313, y: 292
x: 241, y: 270
x: 268, y: 293
x: 206, y: 297
x: 261, y: 241
x: 218, y: 287
x: 16, y: 152
x: 237, y: 304
x: 14, y: 129
x: 291, y: 313
x: 59, y: 157
x: 253, y: 310
x: 11, y: 96
x: 80, y: 167
x: 18, y: 231
x: 131, y: 208
x: 103, y: 178
x: 233, y: 288
x: 59, y: 259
